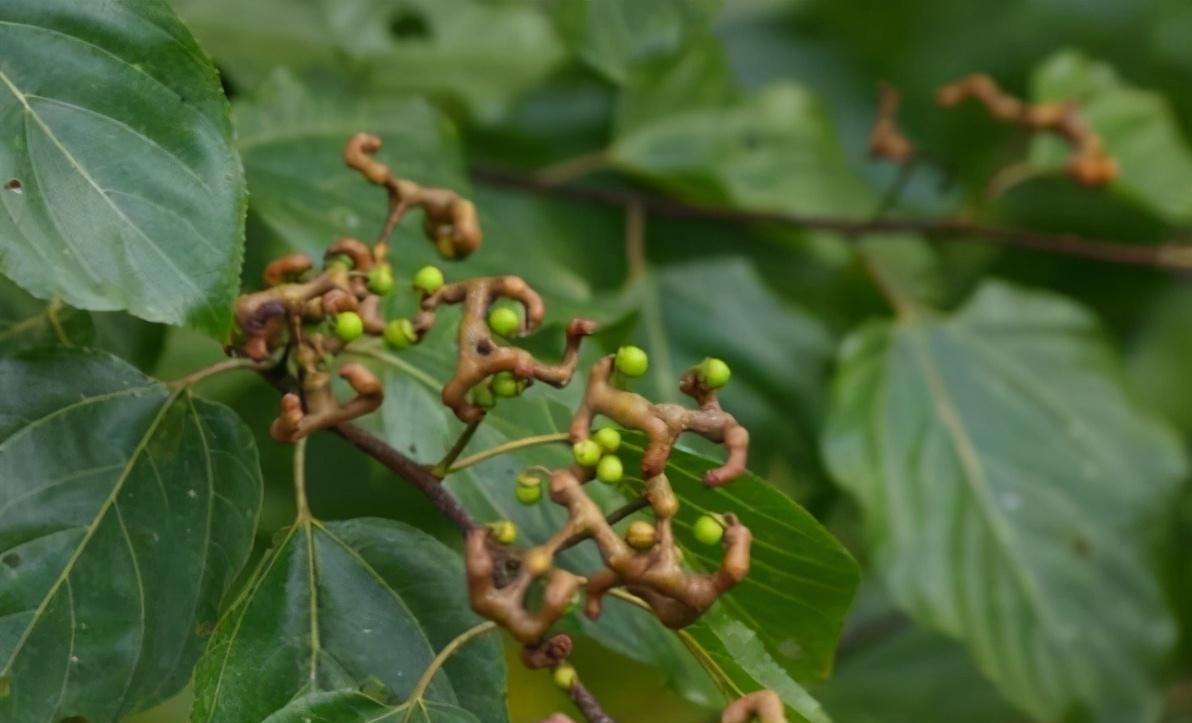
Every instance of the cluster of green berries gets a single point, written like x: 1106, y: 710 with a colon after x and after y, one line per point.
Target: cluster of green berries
x: 599, y: 451
x: 632, y: 361
x: 400, y: 333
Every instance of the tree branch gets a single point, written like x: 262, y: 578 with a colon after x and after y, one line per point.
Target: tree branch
x: 1169, y: 256
x: 591, y: 709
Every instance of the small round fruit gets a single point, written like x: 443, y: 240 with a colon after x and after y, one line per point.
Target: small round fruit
x: 428, y: 279
x: 640, y: 535
x: 708, y: 530
x: 608, y: 438
x: 609, y: 469
x: 342, y: 260
x: 483, y: 397
x: 632, y: 361
x: 504, y: 531
x: 565, y: 676
x: 504, y: 321
x: 348, y: 325
x: 529, y: 479
x: 537, y: 561
x: 506, y: 385
x: 380, y: 279
x: 528, y: 495
x: 587, y: 453
x: 400, y: 333
x: 714, y: 372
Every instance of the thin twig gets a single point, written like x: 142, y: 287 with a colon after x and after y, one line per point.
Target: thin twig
x: 458, y: 641
x: 573, y: 169
x: 591, y: 709
x: 300, y: 480
x: 1169, y: 256
x: 507, y: 447
x: 226, y: 365
x: 612, y: 518
x: 443, y: 466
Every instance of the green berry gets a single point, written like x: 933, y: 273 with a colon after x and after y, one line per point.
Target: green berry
x: 503, y: 531
x: 380, y: 279
x: 708, y: 530
x: 565, y: 676
x: 504, y: 321
x: 428, y: 279
x: 714, y: 372
x: 506, y: 385
x: 640, y: 535
x: 528, y: 495
x: 608, y: 438
x: 587, y: 453
x: 400, y: 333
x: 342, y: 260
x: 348, y: 325
x: 632, y: 361
x: 482, y: 397
x: 610, y: 469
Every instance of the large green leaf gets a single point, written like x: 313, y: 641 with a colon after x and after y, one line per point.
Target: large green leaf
x: 119, y: 184
x: 480, y: 55
x: 28, y: 323
x: 125, y: 514
x: 1139, y: 128
x: 1012, y: 493
x: 365, y: 603
x: 356, y: 707
x: 615, y: 35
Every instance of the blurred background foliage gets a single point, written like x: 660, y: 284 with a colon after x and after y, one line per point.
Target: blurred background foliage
x: 765, y: 105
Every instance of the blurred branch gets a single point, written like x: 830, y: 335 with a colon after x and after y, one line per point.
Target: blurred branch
x: 591, y: 709
x: 1168, y: 257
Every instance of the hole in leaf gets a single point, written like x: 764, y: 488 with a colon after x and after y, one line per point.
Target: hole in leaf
x: 13, y: 185
x: 408, y: 24
x: 12, y: 559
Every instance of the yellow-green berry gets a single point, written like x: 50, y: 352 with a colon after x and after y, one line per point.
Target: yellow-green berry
x: 565, y: 676
x: 608, y: 438
x: 610, y: 469
x: 348, y: 325
x: 482, y: 397
x: 503, y: 531
x: 537, y: 561
x: 400, y: 333
x: 714, y: 372
x: 528, y: 495
x: 632, y: 361
x: 640, y: 535
x: 342, y: 260
x: 380, y: 279
x: 428, y: 279
x: 504, y: 321
x: 587, y: 453
x: 506, y: 385
x: 708, y: 530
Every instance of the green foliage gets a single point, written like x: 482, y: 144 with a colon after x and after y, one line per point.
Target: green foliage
x: 987, y: 449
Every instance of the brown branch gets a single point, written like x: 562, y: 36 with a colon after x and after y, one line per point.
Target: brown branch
x: 611, y: 518
x: 591, y: 709
x: 1169, y: 256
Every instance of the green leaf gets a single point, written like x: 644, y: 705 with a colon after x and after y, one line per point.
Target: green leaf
x: 1139, y: 128
x: 342, y: 605
x: 699, y: 78
x: 477, y: 55
x: 119, y: 183
x: 27, y: 323
x: 1008, y: 484
x: 292, y: 140
x: 775, y: 150
x: 356, y: 707
x: 125, y: 514
x: 613, y: 36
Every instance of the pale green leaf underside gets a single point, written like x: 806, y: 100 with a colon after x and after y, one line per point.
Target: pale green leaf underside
x: 125, y: 514
x: 124, y: 191
x: 1010, y: 490
x: 343, y: 605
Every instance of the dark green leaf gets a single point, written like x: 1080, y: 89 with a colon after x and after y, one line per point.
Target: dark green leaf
x: 1138, y: 126
x: 355, y: 707
x: 27, y: 323
x: 1012, y: 492
x: 615, y: 35
x: 125, y: 514
x: 697, y: 79
x: 119, y: 183
x: 346, y: 605
x: 479, y: 55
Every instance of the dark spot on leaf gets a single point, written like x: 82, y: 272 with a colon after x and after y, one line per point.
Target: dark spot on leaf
x: 1081, y: 547
x: 407, y: 24
x: 13, y: 185
x: 12, y: 559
